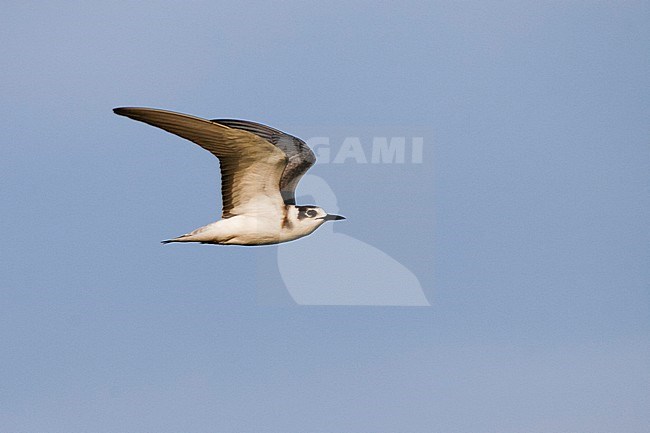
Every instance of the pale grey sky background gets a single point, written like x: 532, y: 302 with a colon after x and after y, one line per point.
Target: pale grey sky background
x: 526, y: 223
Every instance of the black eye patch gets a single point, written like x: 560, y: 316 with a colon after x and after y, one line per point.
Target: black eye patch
x: 306, y: 212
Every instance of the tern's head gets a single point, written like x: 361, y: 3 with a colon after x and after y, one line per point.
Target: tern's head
x: 306, y: 219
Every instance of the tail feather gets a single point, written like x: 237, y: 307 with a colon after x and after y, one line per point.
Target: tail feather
x: 178, y: 239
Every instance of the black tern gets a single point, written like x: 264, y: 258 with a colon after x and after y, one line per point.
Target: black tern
x: 260, y: 169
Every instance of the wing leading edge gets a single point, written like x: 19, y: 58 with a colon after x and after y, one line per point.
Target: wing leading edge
x: 251, y: 166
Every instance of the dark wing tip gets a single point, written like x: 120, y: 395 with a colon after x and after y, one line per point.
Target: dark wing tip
x: 127, y: 111
x: 131, y: 111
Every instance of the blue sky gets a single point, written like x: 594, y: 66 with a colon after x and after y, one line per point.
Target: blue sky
x: 526, y: 222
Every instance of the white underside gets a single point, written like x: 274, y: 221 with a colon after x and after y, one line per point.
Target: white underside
x: 247, y: 230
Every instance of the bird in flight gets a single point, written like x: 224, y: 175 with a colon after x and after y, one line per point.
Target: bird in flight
x: 260, y: 169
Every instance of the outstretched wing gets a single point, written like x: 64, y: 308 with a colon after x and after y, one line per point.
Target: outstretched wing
x: 301, y: 158
x: 251, y: 167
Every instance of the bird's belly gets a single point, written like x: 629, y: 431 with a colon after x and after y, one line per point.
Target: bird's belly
x: 248, y: 231
x: 267, y: 238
